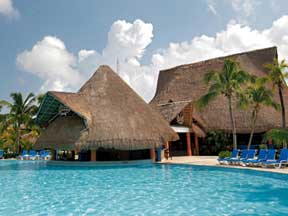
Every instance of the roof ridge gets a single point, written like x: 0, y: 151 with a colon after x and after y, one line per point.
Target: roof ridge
x: 174, y: 102
x: 61, y: 92
x: 219, y: 58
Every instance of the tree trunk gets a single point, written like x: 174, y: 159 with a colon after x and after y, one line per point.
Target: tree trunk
x: 253, y: 122
x: 233, y: 125
x: 283, y: 112
x: 282, y: 106
x: 18, y: 140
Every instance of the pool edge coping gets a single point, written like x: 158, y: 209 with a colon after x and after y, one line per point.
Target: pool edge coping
x: 272, y: 170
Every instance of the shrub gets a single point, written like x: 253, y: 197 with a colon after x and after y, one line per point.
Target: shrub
x: 10, y: 155
x: 263, y: 146
x: 224, y: 154
x: 218, y: 140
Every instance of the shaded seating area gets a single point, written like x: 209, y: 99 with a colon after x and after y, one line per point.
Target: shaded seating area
x: 234, y: 156
x: 1, y: 154
x: 104, y: 114
x: 265, y: 158
x: 34, y: 155
x: 283, y: 159
x: 24, y: 155
x: 261, y: 157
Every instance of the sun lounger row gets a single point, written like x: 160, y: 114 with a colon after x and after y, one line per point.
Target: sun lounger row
x: 33, y: 155
x: 265, y: 158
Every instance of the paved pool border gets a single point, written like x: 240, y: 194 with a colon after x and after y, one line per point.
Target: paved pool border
x: 212, y: 162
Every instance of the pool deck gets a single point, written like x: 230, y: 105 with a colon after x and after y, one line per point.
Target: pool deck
x: 212, y: 161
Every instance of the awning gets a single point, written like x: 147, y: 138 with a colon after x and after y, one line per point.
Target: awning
x: 183, y: 129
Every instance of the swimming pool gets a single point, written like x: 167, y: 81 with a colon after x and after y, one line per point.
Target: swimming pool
x: 33, y: 188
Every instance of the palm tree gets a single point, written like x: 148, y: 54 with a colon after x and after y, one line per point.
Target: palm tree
x: 20, y: 115
x: 279, y: 136
x: 3, y: 122
x: 277, y: 76
x: 255, y: 96
x: 226, y: 82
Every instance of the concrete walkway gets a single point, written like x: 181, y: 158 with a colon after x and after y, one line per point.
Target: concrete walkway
x: 212, y: 161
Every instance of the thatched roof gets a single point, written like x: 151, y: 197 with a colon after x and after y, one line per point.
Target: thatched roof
x: 63, y: 133
x: 109, y: 115
x: 171, y: 109
x: 185, y: 83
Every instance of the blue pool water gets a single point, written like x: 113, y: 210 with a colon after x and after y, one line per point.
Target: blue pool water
x: 33, y: 188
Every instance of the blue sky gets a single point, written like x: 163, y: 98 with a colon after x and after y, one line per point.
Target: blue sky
x: 58, y: 44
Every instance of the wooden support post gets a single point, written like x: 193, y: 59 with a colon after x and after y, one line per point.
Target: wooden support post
x: 124, y: 155
x: 167, y: 150
x: 196, y: 140
x: 152, y: 154
x: 189, y: 151
x: 93, y: 155
x: 53, y: 154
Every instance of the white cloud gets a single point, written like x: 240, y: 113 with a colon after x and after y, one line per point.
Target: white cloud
x: 235, y: 38
x: 211, y: 7
x: 126, y: 45
x: 84, y: 54
x: 127, y: 42
x: 243, y: 6
x: 7, y: 9
x: 244, y: 9
x: 50, y: 60
x: 61, y: 70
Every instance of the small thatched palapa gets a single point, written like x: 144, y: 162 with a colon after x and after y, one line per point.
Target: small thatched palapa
x: 106, y: 113
x: 183, y: 84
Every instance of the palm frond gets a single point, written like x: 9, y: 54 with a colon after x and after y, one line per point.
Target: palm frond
x: 206, y: 99
x: 5, y: 103
x: 211, y: 75
x: 279, y: 136
x: 243, y: 100
x: 277, y: 72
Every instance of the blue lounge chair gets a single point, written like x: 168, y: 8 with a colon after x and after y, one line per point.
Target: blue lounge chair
x: 24, y: 155
x: 250, y: 156
x: 44, y: 155
x: 234, y: 155
x: 261, y: 157
x: 243, y: 156
x: 1, y: 154
x: 33, y: 155
x: 283, y: 159
x: 270, y: 156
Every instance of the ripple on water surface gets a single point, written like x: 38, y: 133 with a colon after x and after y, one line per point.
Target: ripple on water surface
x: 32, y: 188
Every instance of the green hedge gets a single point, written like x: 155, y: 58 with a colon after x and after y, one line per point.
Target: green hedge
x: 224, y: 154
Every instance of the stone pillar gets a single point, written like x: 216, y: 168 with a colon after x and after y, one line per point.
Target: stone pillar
x: 196, y: 140
x: 152, y: 154
x: 93, y: 155
x: 189, y: 150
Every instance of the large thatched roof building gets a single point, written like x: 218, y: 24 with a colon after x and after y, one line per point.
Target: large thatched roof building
x: 180, y: 87
x: 104, y: 113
